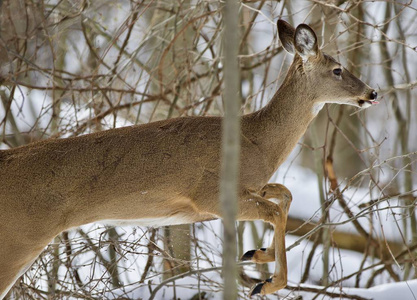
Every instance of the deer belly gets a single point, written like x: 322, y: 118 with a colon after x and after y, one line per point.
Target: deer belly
x: 153, y: 222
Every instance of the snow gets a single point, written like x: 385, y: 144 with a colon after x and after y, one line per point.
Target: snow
x: 405, y: 290
x: 186, y: 288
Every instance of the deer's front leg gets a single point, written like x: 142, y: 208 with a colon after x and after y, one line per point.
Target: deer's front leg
x: 279, y: 278
x: 280, y: 195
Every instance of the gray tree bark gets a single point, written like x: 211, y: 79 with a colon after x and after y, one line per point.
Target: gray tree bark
x: 230, y: 146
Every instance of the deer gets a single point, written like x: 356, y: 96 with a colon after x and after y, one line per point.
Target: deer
x: 167, y: 172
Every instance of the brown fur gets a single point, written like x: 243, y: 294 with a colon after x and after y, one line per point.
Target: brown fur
x: 162, y: 169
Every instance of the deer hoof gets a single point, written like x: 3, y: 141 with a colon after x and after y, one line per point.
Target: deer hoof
x: 257, y: 289
x: 249, y: 255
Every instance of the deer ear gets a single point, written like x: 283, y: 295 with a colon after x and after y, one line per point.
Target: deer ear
x: 305, y: 41
x: 286, y: 35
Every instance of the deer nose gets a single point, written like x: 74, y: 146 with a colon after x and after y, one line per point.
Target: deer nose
x: 374, y: 95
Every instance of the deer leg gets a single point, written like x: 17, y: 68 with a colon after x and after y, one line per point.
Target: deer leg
x: 279, y: 194
x: 261, y: 255
x: 279, y: 278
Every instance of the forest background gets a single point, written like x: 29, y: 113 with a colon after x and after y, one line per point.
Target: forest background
x: 71, y: 67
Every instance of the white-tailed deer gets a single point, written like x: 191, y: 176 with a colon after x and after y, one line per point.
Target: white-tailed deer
x: 167, y: 172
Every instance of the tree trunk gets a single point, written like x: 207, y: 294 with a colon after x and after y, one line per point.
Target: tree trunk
x: 230, y: 146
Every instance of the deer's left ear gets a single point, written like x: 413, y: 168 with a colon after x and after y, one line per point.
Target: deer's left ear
x: 305, y: 42
x: 286, y: 36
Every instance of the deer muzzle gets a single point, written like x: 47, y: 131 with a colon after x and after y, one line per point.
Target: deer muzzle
x: 364, y: 103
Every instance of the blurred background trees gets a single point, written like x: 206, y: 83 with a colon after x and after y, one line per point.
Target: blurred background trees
x: 72, y: 67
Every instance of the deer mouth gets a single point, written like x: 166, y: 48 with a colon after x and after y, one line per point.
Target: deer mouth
x: 366, y: 103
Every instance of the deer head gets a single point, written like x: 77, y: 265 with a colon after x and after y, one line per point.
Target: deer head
x: 319, y: 75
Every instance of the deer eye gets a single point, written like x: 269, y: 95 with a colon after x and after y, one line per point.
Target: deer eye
x: 337, y: 71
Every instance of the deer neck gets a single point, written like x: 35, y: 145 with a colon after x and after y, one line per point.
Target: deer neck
x: 278, y: 126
